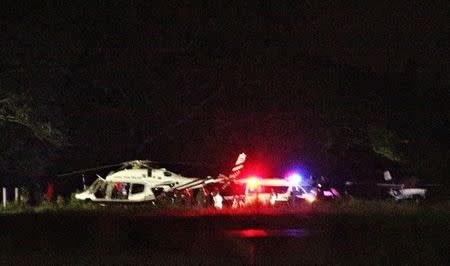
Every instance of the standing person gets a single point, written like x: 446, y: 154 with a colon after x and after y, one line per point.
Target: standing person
x: 235, y: 203
x: 50, y: 191
x: 218, y: 200
x: 273, y: 197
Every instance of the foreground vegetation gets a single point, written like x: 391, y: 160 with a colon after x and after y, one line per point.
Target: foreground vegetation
x: 347, y: 206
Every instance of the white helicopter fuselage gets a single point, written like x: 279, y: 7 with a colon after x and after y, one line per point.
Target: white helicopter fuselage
x: 133, y: 185
x: 143, y: 183
x: 408, y: 193
x: 160, y: 177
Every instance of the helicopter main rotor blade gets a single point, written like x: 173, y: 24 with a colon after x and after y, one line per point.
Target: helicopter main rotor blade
x: 89, y: 170
x: 147, y: 163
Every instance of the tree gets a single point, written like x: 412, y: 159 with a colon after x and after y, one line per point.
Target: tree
x: 15, y: 109
x: 386, y: 143
x: 28, y: 119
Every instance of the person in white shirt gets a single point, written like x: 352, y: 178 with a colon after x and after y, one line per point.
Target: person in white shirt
x: 218, y: 200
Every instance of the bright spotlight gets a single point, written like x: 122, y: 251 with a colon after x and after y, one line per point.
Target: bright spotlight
x: 310, y: 198
x: 253, y: 183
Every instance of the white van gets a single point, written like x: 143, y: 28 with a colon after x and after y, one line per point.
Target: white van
x: 274, y: 191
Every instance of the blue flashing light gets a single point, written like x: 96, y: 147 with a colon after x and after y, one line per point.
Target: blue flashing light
x: 295, y: 179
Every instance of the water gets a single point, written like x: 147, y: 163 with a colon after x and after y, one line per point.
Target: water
x: 267, y: 233
x: 90, y: 239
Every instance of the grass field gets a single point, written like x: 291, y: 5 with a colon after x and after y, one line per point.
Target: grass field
x: 351, y: 206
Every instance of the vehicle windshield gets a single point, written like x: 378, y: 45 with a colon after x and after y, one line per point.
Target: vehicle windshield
x: 298, y: 190
x: 270, y: 189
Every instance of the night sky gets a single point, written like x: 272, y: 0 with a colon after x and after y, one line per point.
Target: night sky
x: 302, y: 85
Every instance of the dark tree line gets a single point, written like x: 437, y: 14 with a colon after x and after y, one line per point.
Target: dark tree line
x: 86, y: 85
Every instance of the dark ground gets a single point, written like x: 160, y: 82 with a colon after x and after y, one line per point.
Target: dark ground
x: 219, y: 238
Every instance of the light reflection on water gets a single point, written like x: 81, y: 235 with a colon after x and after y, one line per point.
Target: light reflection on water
x: 264, y: 233
x: 254, y: 249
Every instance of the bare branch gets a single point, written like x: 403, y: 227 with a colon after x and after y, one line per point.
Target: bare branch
x: 11, y: 111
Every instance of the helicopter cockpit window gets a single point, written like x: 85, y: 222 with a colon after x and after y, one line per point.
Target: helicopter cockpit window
x: 100, y: 193
x: 167, y: 173
x: 137, y: 188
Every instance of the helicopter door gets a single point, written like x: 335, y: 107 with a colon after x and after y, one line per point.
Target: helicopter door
x: 137, y: 192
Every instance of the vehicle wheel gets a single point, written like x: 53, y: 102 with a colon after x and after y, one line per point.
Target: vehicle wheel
x: 347, y: 197
x: 417, y: 200
x: 291, y: 203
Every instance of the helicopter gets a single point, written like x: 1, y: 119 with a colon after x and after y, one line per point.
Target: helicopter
x: 139, y: 181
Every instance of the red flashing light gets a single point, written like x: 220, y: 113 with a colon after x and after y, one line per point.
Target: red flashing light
x: 249, y: 233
